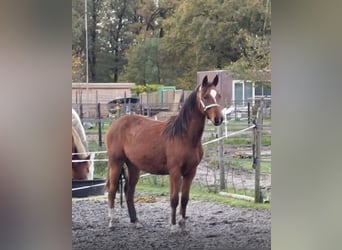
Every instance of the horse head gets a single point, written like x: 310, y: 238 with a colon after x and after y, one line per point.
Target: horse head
x: 209, y: 99
x: 80, y: 169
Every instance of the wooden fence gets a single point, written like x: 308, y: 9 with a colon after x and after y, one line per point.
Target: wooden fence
x: 233, y: 178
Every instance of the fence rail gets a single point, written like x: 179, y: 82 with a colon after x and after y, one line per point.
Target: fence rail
x: 240, y: 109
x: 240, y: 165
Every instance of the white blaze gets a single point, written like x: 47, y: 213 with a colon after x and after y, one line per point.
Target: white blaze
x: 213, y: 94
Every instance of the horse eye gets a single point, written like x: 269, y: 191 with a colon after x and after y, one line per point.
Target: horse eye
x: 205, y: 97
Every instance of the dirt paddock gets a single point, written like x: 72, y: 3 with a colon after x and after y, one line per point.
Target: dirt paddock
x: 208, y: 226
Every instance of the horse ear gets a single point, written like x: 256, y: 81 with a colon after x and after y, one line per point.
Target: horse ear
x: 215, y: 81
x: 205, y: 81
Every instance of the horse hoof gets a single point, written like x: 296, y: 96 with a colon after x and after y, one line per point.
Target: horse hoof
x: 111, y: 226
x: 176, y: 229
x: 181, y: 223
x: 137, y: 225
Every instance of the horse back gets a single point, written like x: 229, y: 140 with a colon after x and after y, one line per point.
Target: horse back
x: 139, y: 141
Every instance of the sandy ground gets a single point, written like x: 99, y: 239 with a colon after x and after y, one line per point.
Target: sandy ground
x: 208, y: 226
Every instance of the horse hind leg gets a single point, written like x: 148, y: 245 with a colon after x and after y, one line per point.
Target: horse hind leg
x: 114, y: 171
x: 131, y: 182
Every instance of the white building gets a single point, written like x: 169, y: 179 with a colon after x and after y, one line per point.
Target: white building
x: 247, y: 91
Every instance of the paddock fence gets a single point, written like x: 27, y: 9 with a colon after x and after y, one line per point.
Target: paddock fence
x: 237, y: 154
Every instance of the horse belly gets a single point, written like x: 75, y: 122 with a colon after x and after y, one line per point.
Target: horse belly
x: 152, y: 163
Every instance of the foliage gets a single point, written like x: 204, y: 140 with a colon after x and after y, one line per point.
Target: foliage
x: 168, y: 41
x: 205, y: 35
x: 143, y: 63
x: 255, y: 62
x: 78, y: 72
x: 77, y: 25
x: 146, y: 88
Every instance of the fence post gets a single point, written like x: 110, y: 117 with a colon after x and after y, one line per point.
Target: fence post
x: 125, y: 104
x: 256, y: 163
x: 220, y: 158
x: 81, y: 111
x: 99, y: 124
x: 249, y: 113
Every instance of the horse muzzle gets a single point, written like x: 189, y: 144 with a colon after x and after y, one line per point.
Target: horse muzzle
x: 218, y: 120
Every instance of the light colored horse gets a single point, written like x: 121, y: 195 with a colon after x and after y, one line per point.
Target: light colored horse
x: 77, y: 125
x: 80, y: 170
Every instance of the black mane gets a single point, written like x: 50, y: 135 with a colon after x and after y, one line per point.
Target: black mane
x: 177, y: 125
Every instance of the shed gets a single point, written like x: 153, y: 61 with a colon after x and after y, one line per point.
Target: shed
x: 91, y: 94
x: 99, y: 92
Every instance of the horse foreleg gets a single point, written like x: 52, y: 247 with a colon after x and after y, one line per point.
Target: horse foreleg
x: 187, y: 180
x: 132, y: 180
x: 113, y: 178
x: 175, y: 181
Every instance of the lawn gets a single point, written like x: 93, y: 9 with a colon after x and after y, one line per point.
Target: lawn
x: 158, y: 185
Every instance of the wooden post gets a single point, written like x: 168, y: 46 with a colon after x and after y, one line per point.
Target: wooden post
x: 249, y: 113
x: 81, y: 111
x: 220, y: 159
x: 99, y: 124
x: 125, y: 104
x: 256, y: 163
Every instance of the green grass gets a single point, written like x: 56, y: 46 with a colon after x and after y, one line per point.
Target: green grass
x: 100, y: 170
x: 158, y: 185
x: 197, y: 192
x: 265, y: 167
x: 243, y: 140
x: 238, y: 141
x: 94, y: 146
x: 266, y: 140
x: 95, y: 129
x: 247, y: 141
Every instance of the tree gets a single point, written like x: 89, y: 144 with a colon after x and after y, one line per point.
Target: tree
x: 143, y: 56
x: 108, y: 24
x: 94, y: 10
x: 254, y: 64
x: 168, y: 41
x: 78, y: 36
x: 208, y: 35
x: 116, y: 36
x: 78, y: 73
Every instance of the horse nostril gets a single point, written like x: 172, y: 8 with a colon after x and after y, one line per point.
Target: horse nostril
x: 218, y: 120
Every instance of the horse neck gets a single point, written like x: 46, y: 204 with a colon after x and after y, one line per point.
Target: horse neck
x: 196, y: 127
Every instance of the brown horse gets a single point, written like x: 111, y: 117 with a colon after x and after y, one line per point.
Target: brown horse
x: 171, y: 147
x: 80, y: 169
